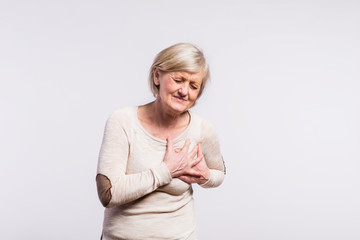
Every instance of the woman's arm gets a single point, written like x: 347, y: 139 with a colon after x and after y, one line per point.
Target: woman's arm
x: 113, y: 185
x: 211, y: 168
x: 212, y: 155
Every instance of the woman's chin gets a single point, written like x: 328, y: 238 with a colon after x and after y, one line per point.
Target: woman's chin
x: 181, y: 107
x: 177, y: 109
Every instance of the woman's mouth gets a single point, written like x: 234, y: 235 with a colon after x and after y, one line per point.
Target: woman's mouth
x: 180, y: 99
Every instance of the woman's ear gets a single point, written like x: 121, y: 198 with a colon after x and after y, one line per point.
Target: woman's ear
x: 156, y: 77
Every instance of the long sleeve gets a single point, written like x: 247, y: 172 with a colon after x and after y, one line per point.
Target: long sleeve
x: 213, y: 156
x: 114, y: 186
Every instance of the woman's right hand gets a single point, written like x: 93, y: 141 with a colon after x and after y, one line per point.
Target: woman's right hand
x: 181, y: 161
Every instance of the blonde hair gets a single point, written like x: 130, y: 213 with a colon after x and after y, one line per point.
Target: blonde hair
x: 181, y: 57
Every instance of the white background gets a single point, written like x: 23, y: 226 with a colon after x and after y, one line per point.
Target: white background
x: 284, y: 99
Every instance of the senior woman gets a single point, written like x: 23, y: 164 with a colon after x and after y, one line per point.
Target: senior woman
x: 151, y: 154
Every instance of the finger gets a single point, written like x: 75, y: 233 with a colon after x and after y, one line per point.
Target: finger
x: 189, y: 179
x: 169, y: 145
x: 197, y: 160
x: 186, y: 146
x: 199, y: 152
x: 177, y: 150
x: 185, y: 179
x: 194, y: 173
x: 193, y: 152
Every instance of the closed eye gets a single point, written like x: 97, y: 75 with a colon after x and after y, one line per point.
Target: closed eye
x: 177, y: 80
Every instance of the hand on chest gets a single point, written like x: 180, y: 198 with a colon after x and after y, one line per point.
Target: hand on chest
x: 149, y: 153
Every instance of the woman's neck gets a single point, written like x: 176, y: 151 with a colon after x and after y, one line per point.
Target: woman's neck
x: 164, y: 118
x: 155, y: 113
x: 160, y: 123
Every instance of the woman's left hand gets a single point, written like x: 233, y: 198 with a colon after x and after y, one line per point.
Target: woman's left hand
x: 201, y: 168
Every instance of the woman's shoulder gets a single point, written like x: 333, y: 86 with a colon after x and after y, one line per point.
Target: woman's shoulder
x: 205, y: 126
x: 198, y: 119
x: 126, y: 114
x: 124, y: 111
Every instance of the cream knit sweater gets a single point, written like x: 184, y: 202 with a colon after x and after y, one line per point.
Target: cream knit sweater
x: 142, y: 200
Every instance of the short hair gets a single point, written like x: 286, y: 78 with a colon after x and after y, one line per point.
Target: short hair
x: 180, y: 57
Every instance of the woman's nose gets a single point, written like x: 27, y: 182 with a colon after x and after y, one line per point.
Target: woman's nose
x: 184, y: 90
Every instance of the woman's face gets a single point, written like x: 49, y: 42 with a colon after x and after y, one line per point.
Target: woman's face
x: 178, y: 91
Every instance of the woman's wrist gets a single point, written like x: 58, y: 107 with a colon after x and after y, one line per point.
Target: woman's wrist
x: 207, y: 175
